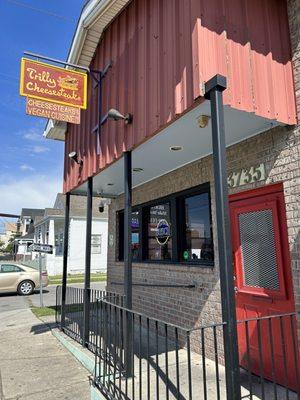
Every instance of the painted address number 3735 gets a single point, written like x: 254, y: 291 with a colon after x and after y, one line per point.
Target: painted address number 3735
x: 247, y: 175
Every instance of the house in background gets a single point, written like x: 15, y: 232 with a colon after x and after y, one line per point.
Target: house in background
x: 49, y: 229
x: 10, y: 229
x: 27, y: 218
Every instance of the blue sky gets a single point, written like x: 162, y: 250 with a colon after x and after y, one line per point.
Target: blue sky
x: 31, y: 167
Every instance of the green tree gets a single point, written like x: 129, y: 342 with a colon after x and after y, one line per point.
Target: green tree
x: 10, y: 247
x: 1, y: 245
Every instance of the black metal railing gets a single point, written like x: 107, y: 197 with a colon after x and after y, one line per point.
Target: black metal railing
x: 269, y: 357
x: 159, y: 360
x: 74, y: 312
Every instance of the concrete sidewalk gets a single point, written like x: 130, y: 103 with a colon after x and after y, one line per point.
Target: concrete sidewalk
x: 34, y: 365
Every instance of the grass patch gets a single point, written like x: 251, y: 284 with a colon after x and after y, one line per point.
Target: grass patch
x: 43, y: 311
x: 56, y: 279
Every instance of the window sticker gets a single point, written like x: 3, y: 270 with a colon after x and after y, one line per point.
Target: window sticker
x: 162, y: 232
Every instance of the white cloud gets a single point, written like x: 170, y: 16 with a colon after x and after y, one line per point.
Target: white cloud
x: 26, y: 167
x: 40, y: 149
x: 34, y: 191
x: 32, y: 136
x: 34, y: 133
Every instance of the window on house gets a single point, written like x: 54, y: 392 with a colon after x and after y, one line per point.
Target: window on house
x: 96, y: 243
x: 59, y: 239
x: 176, y: 228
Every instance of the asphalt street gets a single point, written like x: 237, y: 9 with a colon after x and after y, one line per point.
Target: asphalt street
x: 12, y: 301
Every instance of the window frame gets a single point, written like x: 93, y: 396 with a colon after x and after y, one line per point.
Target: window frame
x: 145, y: 235
x: 59, y: 239
x: 98, y: 245
x: 181, y: 218
x: 120, y: 234
x: 176, y: 216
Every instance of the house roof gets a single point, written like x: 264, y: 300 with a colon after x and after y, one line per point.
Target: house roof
x: 31, y: 212
x: 29, y: 235
x: 94, y: 18
x: 78, y: 206
x: 77, y: 209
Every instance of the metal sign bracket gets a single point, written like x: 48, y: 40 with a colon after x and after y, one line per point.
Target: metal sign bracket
x: 96, y: 75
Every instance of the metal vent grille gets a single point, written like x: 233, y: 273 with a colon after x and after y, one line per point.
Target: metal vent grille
x: 258, y: 249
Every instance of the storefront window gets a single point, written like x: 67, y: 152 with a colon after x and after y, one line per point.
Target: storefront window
x: 159, y: 233
x: 135, y: 235
x: 198, y: 243
x: 176, y: 229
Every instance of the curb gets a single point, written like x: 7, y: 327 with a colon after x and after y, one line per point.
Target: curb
x: 84, y: 359
x: 95, y: 394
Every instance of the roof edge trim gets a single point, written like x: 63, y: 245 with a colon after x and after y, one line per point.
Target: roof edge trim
x: 93, y: 13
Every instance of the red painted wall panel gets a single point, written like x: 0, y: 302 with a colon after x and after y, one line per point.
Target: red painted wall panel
x: 163, y: 51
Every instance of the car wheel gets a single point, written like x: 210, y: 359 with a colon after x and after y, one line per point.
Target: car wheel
x: 25, y: 288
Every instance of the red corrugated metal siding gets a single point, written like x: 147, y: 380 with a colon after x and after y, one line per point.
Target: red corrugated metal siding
x: 163, y: 51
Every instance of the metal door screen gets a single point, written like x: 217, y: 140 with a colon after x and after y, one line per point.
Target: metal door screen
x: 258, y: 249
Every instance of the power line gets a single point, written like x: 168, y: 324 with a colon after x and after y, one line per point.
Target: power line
x: 9, y: 215
x: 51, y: 14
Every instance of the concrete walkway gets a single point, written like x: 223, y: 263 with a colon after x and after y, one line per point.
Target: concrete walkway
x: 34, y: 365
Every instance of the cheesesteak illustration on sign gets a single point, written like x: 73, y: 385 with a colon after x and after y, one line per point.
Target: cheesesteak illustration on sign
x: 58, y: 85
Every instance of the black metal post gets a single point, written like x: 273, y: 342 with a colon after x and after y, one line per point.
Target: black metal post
x: 98, y: 76
x: 15, y: 251
x: 65, y: 262
x: 128, y: 259
x: 213, y: 91
x: 99, y: 114
x: 87, y: 275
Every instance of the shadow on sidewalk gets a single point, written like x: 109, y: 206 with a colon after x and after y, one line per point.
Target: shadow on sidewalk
x: 43, y: 328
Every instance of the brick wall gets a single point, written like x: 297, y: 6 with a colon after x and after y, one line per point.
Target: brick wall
x: 294, y: 21
x: 279, y: 149
x: 293, y: 210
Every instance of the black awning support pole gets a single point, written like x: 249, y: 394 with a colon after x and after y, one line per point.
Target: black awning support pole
x: 128, y: 261
x: 65, y: 261
x: 87, y: 274
x: 213, y: 91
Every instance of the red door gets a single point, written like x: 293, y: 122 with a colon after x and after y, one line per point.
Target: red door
x: 263, y: 284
